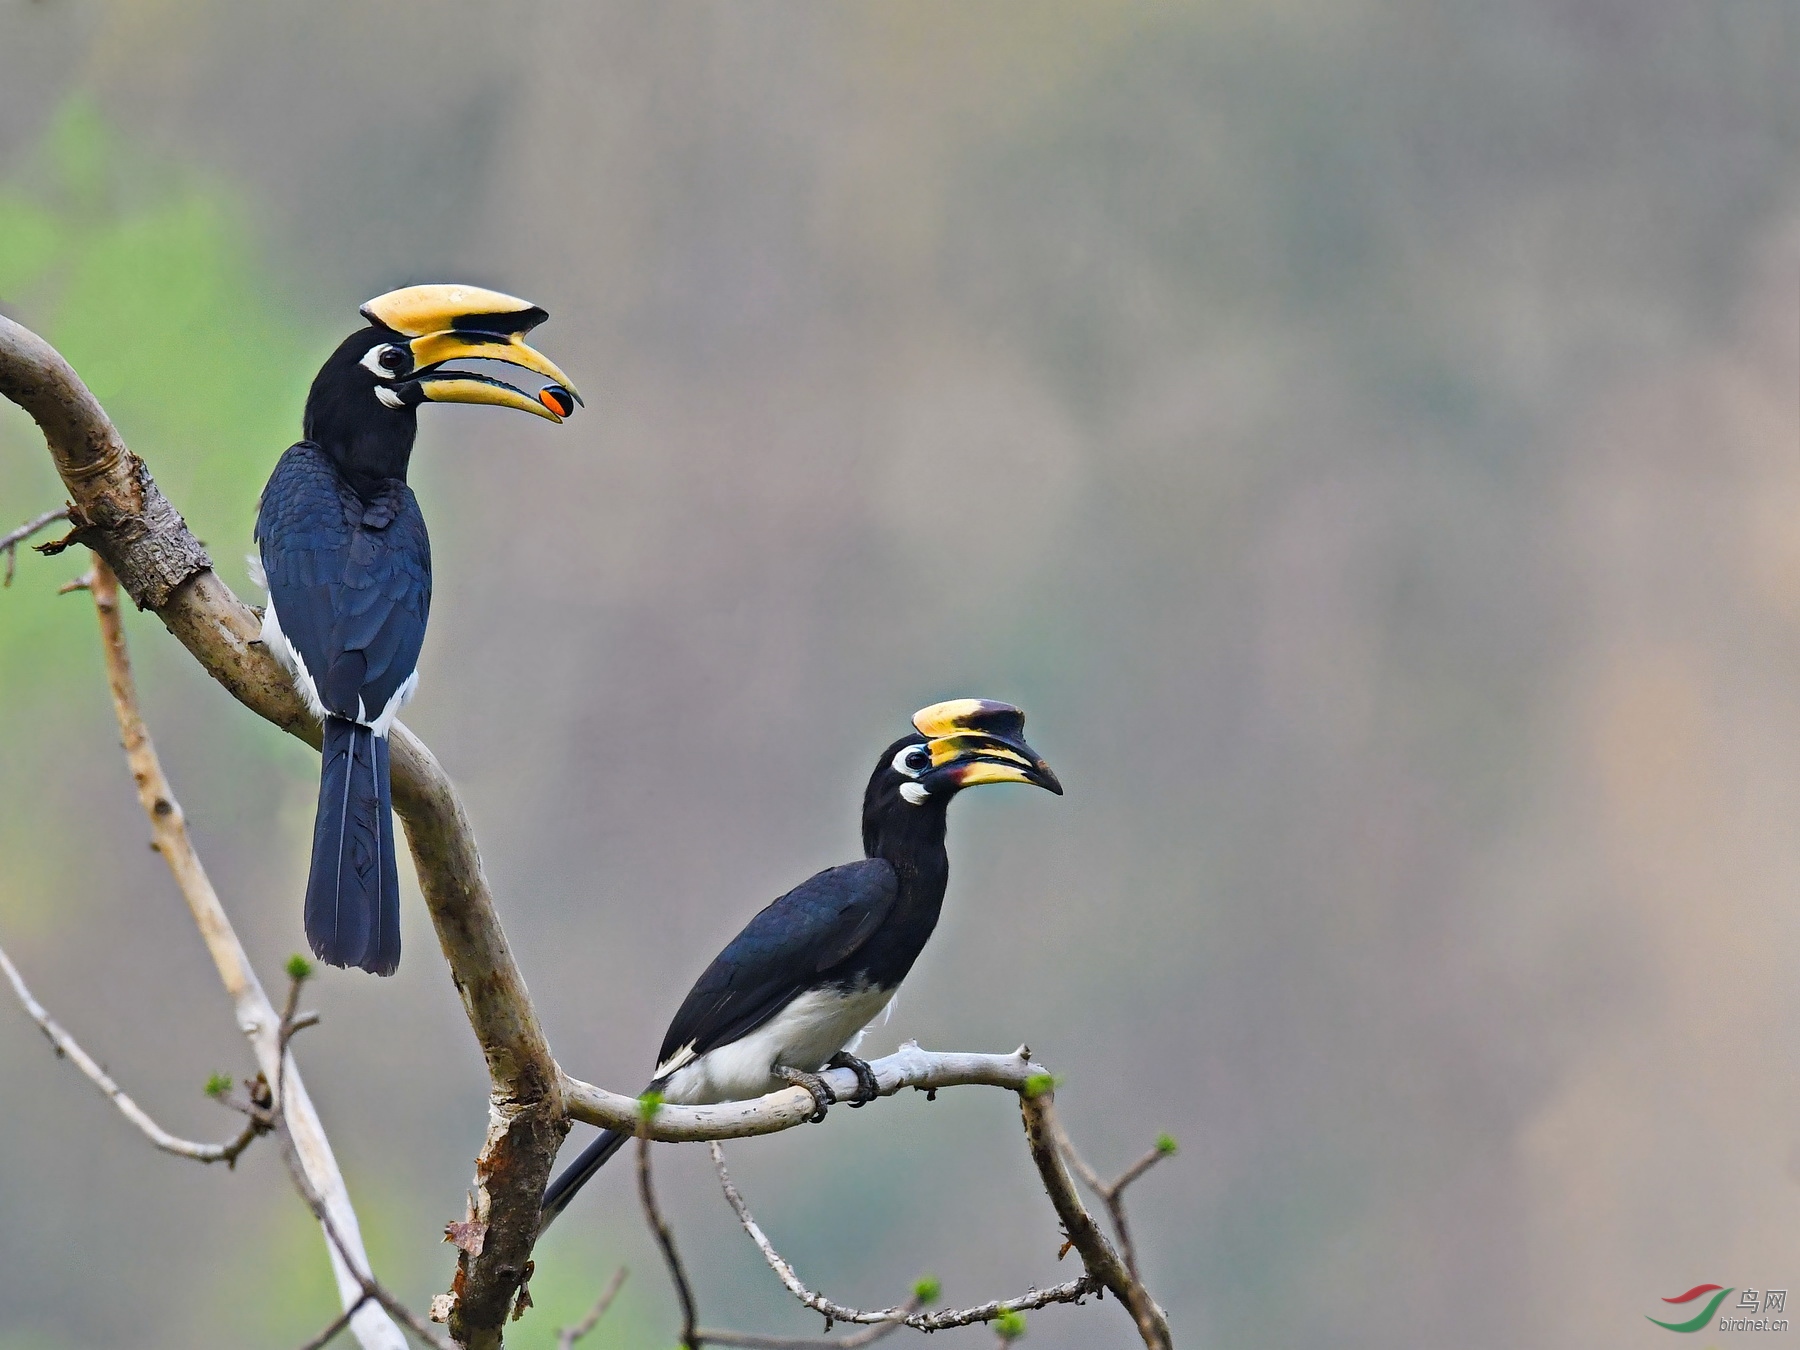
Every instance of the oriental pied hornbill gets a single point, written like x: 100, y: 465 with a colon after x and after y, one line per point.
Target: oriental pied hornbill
x: 348, y: 567
x: 793, y: 992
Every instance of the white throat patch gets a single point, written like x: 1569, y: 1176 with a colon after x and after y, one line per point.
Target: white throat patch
x: 915, y: 793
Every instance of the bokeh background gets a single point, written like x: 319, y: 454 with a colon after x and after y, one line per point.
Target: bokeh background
x: 1364, y: 435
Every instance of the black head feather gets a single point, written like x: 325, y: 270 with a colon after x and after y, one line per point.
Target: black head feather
x: 369, y: 439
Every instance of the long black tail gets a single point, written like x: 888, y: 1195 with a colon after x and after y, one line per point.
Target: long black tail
x: 353, y: 894
x: 592, y: 1159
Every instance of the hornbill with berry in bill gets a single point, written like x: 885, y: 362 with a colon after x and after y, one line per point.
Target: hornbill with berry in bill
x: 348, y: 566
x: 792, y: 993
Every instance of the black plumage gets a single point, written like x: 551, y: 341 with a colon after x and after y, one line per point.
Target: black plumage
x: 347, y: 561
x: 804, y: 977
x: 817, y: 931
x: 352, y: 889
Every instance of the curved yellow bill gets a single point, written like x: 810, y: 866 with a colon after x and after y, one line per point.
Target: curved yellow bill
x: 967, y: 745
x: 982, y: 741
x: 457, y: 388
x: 987, y: 771
x: 433, y: 349
x: 466, y: 323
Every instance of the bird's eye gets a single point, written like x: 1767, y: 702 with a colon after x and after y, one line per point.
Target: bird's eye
x: 912, y: 761
x: 386, y: 361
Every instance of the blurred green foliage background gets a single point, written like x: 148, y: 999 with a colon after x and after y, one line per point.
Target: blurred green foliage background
x: 1363, y: 436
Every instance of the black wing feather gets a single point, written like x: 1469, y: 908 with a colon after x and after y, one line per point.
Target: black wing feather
x: 781, y: 952
x: 350, y: 579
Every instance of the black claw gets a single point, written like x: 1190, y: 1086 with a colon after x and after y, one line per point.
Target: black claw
x: 867, y: 1089
x: 823, y: 1097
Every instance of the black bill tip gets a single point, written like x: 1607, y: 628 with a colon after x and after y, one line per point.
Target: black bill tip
x: 558, y: 400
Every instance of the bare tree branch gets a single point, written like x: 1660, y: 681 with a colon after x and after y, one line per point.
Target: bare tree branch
x: 118, y: 511
x: 566, y: 1338
x: 266, y: 1108
x: 1112, y: 1194
x: 9, y: 543
x: 1072, y: 1292
x: 692, y: 1337
x: 909, y: 1066
x: 1037, y: 1107
x: 336, y: 1325
x: 371, y: 1289
x: 665, y: 1241
x: 256, y: 1016
x: 113, y: 503
x: 66, y: 1048
x: 754, y: 1341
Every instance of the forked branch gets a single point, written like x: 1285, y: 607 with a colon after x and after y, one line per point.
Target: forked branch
x: 1037, y: 1107
x: 1112, y: 1193
x: 257, y: 1018
x: 1103, y: 1269
x: 10, y: 541
x: 692, y: 1337
x: 117, y: 510
x: 1072, y: 1291
x: 66, y: 1048
x: 566, y: 1338
x: 372, y: 1291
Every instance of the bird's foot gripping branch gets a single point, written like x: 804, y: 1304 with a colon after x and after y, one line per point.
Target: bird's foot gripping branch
x: 116, y: 510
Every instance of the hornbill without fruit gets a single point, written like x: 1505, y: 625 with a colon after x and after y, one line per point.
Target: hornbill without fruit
x: 348, y: 567
x: 792, y: 993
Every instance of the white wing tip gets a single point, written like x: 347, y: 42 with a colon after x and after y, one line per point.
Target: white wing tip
x: 680, y: 1059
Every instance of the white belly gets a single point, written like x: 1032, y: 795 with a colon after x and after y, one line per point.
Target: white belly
x: 803, y: 1035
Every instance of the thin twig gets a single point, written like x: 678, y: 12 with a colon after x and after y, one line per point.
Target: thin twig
x: 1156, y: 1154
x: 370, y: 1288
x: 566, y: 1338
x: 1072, y: 1291
x: 268, y: 1109
x: 665, y: 1239
x: 338, y: 1323
x: 256, y: 1016
x: 124, y: 517
x: 299, y: 970
x: 9, y: 543
x: 66, y: 1048
x: 1112, y: 1194
x: 1037, y: 1108
x: 751, y: 1340
x: 1069, y: 1291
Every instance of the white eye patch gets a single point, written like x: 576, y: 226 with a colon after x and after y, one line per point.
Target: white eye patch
x: 915, y: 793
x: 916, y: 753
x: 383, y: 370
